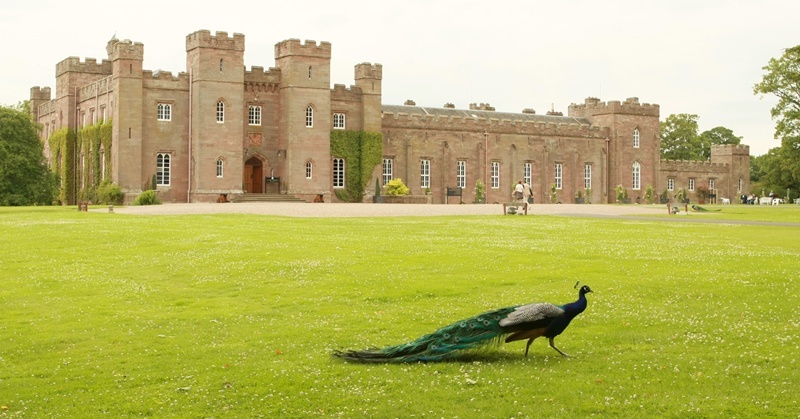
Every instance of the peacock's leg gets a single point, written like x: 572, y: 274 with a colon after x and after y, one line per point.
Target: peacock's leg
x: 553, y: 345
x: 528, y: 346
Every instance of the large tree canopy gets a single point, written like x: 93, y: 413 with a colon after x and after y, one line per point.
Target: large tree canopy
x: 680, y: 140
x: 24, y: 176
x: 716, y: 136
x: 782, y: 79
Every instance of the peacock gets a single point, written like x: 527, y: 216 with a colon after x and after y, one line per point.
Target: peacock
x: 515, y: 323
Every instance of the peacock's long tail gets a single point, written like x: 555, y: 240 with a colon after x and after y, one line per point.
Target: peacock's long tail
x: 440, y: 345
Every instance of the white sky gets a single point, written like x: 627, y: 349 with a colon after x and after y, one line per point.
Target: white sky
x: 698, y: 57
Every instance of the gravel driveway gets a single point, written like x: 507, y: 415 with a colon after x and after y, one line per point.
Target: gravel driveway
x: 383, y: 210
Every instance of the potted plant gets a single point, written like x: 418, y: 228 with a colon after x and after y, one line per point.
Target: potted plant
x: 377, y: 198
x: 649, y: 195
x: 622, y: 195
x: 664, y: 197
x: 553, y: 194
x: 702, y: 193
x: 680, y: 196
x: 588, y: 195
x: 579, y: 197
x: 480, y: 193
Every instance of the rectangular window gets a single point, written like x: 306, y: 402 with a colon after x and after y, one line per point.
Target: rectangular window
x: 637, y: 176
x: 103, y: 112
x: 425, y: 173
x: 309, y: 170
x: 162, y: 169
x: 220, y: 167
x: 387, y: 171
x: 636, y: 138
x: 711, y: 184
x: 338, y: 121
x: 309, y: 116
x: 338, y: 173
x: 461, y: 174
x: 691, y: 184
x: 164, y: 112
x: 527, y: 173
x: 671, y: 184
x: 587, y: 176
x: 495, y: 174
x: 254, y: 115
x: 558, y: 180
x: 741, y: 184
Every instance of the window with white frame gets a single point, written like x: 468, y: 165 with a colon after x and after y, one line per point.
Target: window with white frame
x: 164, y: 112
x: 220, y: 167
x: 163, y: 167
x: 559, y: 173
x: 671, y: 184
x: 254, y: 115
x: 309, y: 116
x: 495, y: 174
x: 461, y: 174
x: 309, y: 169
x: 338, y: 173
x: 103, y: 112
x: 711, y: 184
x: 338, y: 121
x: 387, y: 171
x: 220, y: 112
x: 587, y: 176
x: 636, y: 183
x: 425, y: 173
x: 691, y: 184
x: 527, y: 173
x: 636, y: 138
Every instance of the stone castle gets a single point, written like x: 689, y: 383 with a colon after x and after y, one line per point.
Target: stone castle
x: 220, y: 129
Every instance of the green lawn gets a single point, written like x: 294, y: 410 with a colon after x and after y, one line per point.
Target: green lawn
x: 236, y: 315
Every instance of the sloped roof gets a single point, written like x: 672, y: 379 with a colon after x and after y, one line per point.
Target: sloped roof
x: 479, y: 114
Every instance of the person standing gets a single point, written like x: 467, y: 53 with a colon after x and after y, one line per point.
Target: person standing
x: 527, y: 193
x: 519, y: 191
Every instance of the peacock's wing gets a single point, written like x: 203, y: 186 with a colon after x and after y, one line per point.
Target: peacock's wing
x: 530, y: 316
x: 441, y: 344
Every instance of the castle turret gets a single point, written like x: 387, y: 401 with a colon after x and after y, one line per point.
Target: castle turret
x: 306, y: 121
x: 216, y: 72
x: 369, y: 77
x: 737, y: 157
x: 126, y: 138
x: 634, y: 143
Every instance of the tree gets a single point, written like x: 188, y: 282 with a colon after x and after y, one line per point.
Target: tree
x: 716, y: 136
x: 679, y: 138
x: 24, y: 176
x: 782, y: 79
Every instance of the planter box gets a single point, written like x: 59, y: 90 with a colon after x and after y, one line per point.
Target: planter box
x: 407, y: 199
x: 580, y: 200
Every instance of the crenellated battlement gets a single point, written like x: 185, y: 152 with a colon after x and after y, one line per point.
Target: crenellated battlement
x: 220, y: 40
x: 40, y: 93
x: 258, y: 75
x: 730, y: 150
x: 369, y: 71
x: 342, y: 92
x: 165, y: 75
x: 125, y: 50
x: 307, y: 48
x: 90, y: 65
x: 404, y: 120
x: 689, y: 165
x: 47, y: 108
x: 101, y: 86
x: 592, y: 106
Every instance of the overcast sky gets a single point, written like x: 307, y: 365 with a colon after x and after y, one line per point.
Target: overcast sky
x: 698, y: 57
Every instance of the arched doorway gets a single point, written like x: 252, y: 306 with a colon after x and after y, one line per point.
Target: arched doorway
x: 253, y: 175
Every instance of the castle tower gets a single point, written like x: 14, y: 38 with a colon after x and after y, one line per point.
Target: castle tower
x: 634, y: 143
x: 39, y: 95
x: 126, y: 138
x: 368, y: 77
x: 305, y: 123
x: 216, y: 128
x: 737, y: 157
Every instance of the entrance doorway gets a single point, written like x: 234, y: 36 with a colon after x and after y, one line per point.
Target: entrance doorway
x: 253, y: 175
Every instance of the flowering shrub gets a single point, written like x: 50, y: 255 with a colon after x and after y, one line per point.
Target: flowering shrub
x: 396, y: 187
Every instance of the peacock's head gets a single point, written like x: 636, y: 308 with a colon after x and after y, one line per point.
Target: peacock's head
x: 585, y: 289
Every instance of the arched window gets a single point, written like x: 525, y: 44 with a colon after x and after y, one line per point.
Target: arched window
x: 637, y: 176
x: 309, y: 168
x: 220, y: 111
x: 636, y: 138
x: 309, y: 116
x: 338, y: 173
x: 163, y: 166
x: 220, y: 167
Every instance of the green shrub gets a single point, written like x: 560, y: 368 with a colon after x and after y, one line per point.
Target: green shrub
x: 480, y: 192
x: 396, y: 187
x: 147, y: 198
x: 109, y: 194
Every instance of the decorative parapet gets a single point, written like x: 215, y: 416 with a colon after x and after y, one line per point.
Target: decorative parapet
x: 101, y: 86
x: 593, y: 106
x: 368, y: 71
x: 220, y: 40
x: 307, y: 48
x: 90, y: 65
